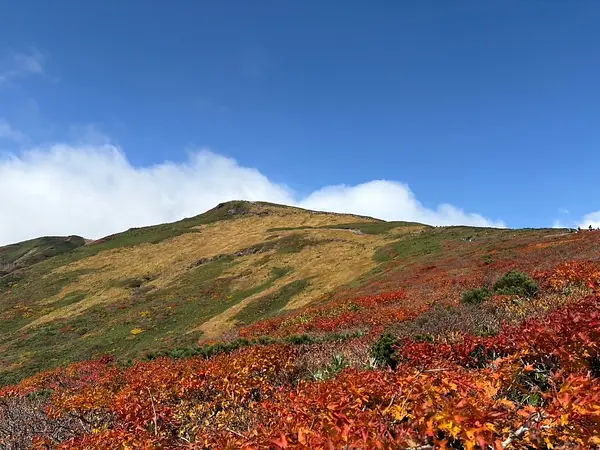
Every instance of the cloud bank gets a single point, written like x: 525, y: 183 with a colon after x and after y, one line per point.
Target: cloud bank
x: 93, y: 191
x: 592, y: 219
x: 584, y: 222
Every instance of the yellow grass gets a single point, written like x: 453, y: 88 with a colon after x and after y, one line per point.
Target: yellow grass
x: 167, y: 260
x: 340, y: 257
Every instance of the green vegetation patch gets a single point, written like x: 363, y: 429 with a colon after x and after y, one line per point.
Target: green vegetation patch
x: 209, y: 350
x: 294, y: 243
x: 159, y: 233
x: 384, y: 349
x: 21, y: 299
x: 516, y: 283
x: 30, y: 252
x: 10, y: 280
x: 412, y: 245
x: 373, y: 227
x: 363, y: 227
x: 271, y: 304
x: 151, y: 319
x: 511, y: 283
x: 279, y: 272
x: 475, y: 296
x: 69, y: 299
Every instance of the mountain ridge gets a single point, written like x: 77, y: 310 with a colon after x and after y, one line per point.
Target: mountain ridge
x: 22, y: 254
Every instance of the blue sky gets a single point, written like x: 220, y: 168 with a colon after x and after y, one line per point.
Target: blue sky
x: 492, y: 107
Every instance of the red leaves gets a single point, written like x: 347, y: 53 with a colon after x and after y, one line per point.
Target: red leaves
x: 76, y: 376
x: 372, y: 312
x: 281, y: 442
x: 118, y: 438
x: 570, y: 334
x: 477, y: 392
x: 583, y: 273
x: 359, y: 409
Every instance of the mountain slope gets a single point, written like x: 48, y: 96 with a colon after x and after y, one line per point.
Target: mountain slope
x: 24, y: 254
x: 316, y: 330
x: 173, y: 284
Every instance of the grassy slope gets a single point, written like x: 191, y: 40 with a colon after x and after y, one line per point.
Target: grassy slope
x: 156, y: 288
x: 27, y: 253
x: 152, y: 288
x: 334, y: 388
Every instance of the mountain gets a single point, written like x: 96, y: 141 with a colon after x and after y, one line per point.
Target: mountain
x: 176, y: 283
x: 257, y: 325
x: 23, y: 254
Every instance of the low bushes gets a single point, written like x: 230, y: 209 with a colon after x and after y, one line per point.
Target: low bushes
x: 516, y: 283
x: 475, y: 296
x: 511, y: 283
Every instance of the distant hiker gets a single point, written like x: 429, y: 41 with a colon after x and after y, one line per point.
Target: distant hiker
x: 578, y: 229
x: 591, y: 228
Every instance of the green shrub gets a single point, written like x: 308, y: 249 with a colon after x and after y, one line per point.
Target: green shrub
x: 424, y: 338
x: 475, y: 296
x: 594, y: 365
x: 265, y: 340
x: 383, y: 350
x: 299, y: 339
x: 478, y: 357
x: 516, y: 283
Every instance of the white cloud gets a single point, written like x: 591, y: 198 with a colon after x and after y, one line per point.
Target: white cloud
x: 592, y: 219
x: 93, y: 191
x: 8, y: 133
x: 389, y: 200
x: 584, y: 222
x: 19, y: 64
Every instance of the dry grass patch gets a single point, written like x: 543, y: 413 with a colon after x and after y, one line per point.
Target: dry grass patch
x: 165, y: 261
x: 337, y: 258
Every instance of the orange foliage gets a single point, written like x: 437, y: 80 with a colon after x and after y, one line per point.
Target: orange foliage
x: 534, y: 385
x: 584, y: 273
x: 338, y: 315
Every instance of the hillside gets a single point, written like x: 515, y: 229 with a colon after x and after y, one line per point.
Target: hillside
x: 171, y: 285
x: 262, y: 326
x: 24, y: 254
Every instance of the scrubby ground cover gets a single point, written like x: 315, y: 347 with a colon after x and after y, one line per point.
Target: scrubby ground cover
x: 530, y: 383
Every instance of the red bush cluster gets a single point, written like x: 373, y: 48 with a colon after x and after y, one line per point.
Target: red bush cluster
x: 582, y: 273
x: 338, y: 315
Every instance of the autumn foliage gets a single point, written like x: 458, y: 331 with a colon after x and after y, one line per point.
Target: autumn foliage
x: 533, y: 385
x: 338, y: 315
